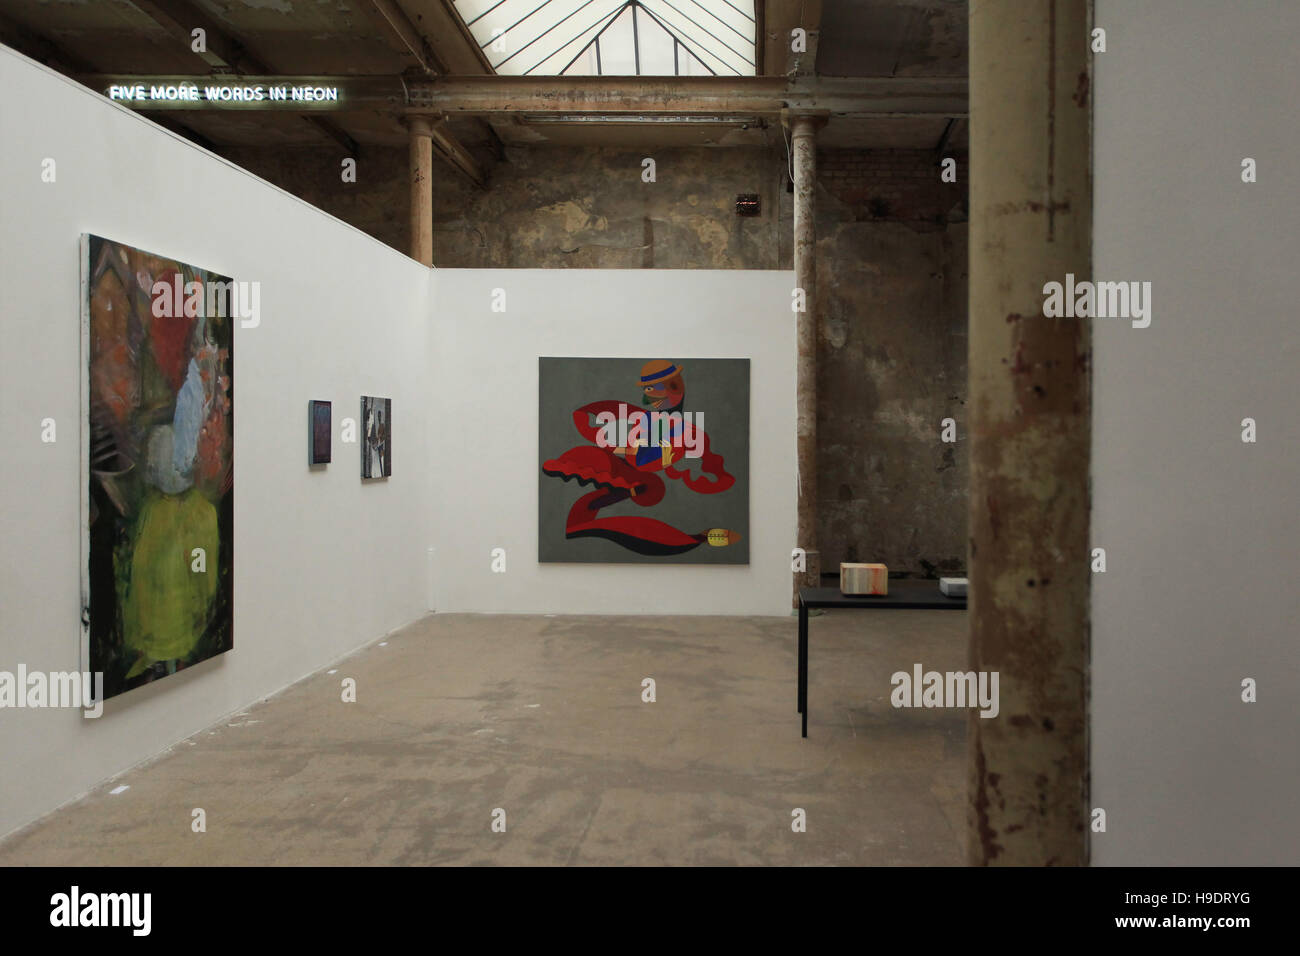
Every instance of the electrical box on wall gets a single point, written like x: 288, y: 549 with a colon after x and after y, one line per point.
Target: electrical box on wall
x: 748, y: 204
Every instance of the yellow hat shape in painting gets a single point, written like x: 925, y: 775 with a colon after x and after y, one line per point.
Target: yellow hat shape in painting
x: 659, y: 371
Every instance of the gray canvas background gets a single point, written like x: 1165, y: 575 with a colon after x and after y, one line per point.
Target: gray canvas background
x: 717, y: 387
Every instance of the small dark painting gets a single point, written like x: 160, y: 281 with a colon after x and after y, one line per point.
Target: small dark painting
x: 377, y: 449
x: 319, y: 416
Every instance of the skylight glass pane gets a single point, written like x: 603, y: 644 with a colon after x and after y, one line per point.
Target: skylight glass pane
x: 656, y: 48
x: 557, y: 50
x: 694, y: 23
x: 614, y: 37
x: 616, y: 53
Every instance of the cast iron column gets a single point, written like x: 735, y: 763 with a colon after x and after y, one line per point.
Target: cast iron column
x: 421, y: 128
x: 1030, y: 415
x: 803, y: 131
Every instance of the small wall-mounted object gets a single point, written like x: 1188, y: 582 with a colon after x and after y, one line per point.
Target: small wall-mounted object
x: 748, y: 204
x: 953, y: 587
x: 321, y: 425
x: 864, y: 579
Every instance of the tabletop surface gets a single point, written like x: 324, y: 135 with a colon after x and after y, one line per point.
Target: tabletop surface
x: 903, y: 594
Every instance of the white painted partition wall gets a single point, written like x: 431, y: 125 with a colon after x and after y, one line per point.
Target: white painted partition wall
x: 484, y: 422
x: 1201, y: 530
x: 323, y: 563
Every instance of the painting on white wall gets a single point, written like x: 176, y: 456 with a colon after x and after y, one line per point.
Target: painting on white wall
x: 377, y: 443
x: 662, y: 484
x: 158, y: 474
x: 320, y: 426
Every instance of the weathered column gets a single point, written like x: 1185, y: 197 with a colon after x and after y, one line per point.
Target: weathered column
x: 803, y: 132
x: 1031, y: 223
x: 421, y: 128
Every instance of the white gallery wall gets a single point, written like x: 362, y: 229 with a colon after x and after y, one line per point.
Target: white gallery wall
x: 323, y: 563
x: 1201, y: 530
x: 484, y: 421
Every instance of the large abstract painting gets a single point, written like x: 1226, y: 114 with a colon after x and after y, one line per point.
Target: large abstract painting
x: 377, y: 439
x: 157, y: 341
x: 643, y: 460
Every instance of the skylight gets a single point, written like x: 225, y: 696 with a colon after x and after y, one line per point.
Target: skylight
x: 614, y: 37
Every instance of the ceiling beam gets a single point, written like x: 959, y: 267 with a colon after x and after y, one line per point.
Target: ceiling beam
x: 945, y: 138
x: 432, y: 31
x: 779, y: 18
x: 810, y: 21
x: 492, y: 95
x: 743, y: 96
x: 223, y: 52
x: 456, y: 155
x: 409, y: 39
x: 450, y: 38
x: 43, y: 51
x: 179, y: 18
x: 456, y: 46
x: 38, y: 47
x: 403, y: 35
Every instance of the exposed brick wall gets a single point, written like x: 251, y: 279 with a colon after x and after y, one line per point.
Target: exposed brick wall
x: 376, y: 203
x: 894, y: 184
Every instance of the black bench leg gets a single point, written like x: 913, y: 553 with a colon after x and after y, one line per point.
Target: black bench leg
x: 803, y: 664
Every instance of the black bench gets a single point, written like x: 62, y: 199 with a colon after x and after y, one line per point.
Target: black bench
x: 904, y: 595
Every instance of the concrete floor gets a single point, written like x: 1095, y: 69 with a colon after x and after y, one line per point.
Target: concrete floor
x: 542, y: 716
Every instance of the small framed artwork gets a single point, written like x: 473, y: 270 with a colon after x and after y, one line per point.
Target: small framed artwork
x: 321, y: 426
x: 377, y: 446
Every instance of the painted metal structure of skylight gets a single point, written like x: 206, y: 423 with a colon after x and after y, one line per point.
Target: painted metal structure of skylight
x: 614, y: 37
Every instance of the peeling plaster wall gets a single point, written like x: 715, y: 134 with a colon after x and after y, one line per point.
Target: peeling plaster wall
x: 589, y: 208
x: 892, y: 366
x: 891, y: 276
